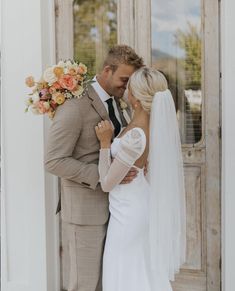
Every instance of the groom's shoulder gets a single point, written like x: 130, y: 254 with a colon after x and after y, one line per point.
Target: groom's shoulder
x: 74, y: 106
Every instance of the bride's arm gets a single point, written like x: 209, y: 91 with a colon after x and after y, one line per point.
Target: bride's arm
x: 111, y: 174
x: 132, y: 147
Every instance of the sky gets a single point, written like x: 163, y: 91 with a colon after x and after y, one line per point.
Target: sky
x: 167, y: 17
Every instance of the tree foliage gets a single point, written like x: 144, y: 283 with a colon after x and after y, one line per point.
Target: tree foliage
x: 95, y: 30
x: 190, y: 42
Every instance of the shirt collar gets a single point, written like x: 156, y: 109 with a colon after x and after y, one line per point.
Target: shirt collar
x: 104, y: 96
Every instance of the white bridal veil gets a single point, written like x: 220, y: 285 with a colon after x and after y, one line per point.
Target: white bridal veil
x: 167, y: 198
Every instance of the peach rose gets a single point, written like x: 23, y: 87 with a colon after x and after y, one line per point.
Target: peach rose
x: 68, y: 82
x: 30, y: 81
x: 79, y: 78
x: 54, y: 87
x: 82, y: 69
x: 42, y: 107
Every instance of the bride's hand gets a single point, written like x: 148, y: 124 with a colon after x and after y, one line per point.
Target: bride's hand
x: 104, y: 131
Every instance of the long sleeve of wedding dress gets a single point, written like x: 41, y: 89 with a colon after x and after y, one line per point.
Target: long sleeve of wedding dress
x: 132, y: 146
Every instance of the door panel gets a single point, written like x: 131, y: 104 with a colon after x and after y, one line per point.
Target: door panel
x: 194, y: 204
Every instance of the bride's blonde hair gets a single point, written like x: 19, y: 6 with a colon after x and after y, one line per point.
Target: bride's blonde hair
x: 145, y: 83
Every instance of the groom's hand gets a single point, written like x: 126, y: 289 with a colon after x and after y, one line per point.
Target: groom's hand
x: 131, y: 175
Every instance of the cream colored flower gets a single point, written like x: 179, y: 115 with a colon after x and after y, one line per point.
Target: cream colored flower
x: 36, y: 97
x: 123, y: 104
x: 49, y: 75
x: 58, y: 98
x: 78, y: 92
x: 34, y: 109
x: 71, y: 67
x: 29, y: 81
x: 46, y: 105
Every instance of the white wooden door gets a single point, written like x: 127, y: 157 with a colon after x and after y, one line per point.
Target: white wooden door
x: 149, y: 26
x: 181, y: 38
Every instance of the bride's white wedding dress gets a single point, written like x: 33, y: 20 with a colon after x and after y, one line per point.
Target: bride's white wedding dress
x: 126, y: 262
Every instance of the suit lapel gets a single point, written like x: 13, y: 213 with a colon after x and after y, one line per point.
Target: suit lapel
x: 97, y: 103
x: 100, y: 108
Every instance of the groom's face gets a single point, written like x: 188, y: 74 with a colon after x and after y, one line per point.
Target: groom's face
x: 116, y: 81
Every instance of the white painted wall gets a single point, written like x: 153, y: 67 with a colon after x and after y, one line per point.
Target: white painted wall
x: 29, y: 226
x: 228, y: 143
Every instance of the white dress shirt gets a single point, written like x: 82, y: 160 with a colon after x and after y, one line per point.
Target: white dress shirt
x: 105, y: 96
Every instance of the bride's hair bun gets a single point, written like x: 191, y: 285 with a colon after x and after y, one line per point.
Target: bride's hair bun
x: 145, y: 83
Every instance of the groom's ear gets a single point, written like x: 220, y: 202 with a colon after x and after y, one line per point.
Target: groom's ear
x: 107, y: 71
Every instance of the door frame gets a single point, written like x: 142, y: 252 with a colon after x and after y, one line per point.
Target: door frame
x: 135, y: 16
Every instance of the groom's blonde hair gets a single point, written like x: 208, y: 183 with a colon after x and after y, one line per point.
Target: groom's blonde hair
x: 122, y: 54
x: 145, y: 83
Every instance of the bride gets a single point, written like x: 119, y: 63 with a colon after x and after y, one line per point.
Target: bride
x: 145, y: 244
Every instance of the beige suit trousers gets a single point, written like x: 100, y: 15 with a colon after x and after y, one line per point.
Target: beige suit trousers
x: 86, y: 244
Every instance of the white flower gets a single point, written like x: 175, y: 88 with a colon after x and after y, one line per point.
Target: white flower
x: 29, y: 102
x: 68, y: 63
x: 34, y: 109
x: 36, y: 97
x: 49, y: 76
x: 123, y: 104
x: 68, y: 95
x: 70, y: 66
x: 61, y: 64
x: 46, y: 105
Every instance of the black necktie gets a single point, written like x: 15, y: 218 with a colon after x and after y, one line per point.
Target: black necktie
x: 113, y: 118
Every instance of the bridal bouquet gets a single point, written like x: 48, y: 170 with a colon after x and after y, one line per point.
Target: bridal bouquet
x: 66, y: 80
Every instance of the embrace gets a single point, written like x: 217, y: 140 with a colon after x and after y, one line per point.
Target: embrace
x: 122, y: 182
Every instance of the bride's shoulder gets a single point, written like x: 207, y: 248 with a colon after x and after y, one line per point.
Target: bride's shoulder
x: 137, y: 132
x: 134, y: 139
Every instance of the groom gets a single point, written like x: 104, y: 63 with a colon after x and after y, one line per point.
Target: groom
x: 72, y: 154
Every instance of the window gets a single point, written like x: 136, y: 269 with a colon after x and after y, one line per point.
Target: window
x: 176, y: 51
x: 95, y: 30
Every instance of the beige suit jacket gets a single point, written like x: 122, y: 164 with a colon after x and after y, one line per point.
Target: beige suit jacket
x: 72, y: 153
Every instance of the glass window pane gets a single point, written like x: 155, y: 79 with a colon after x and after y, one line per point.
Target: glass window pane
x: 95, y: 30
x: 176, y: 51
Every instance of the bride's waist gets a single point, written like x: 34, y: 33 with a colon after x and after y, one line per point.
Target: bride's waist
x: 139, y: 182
